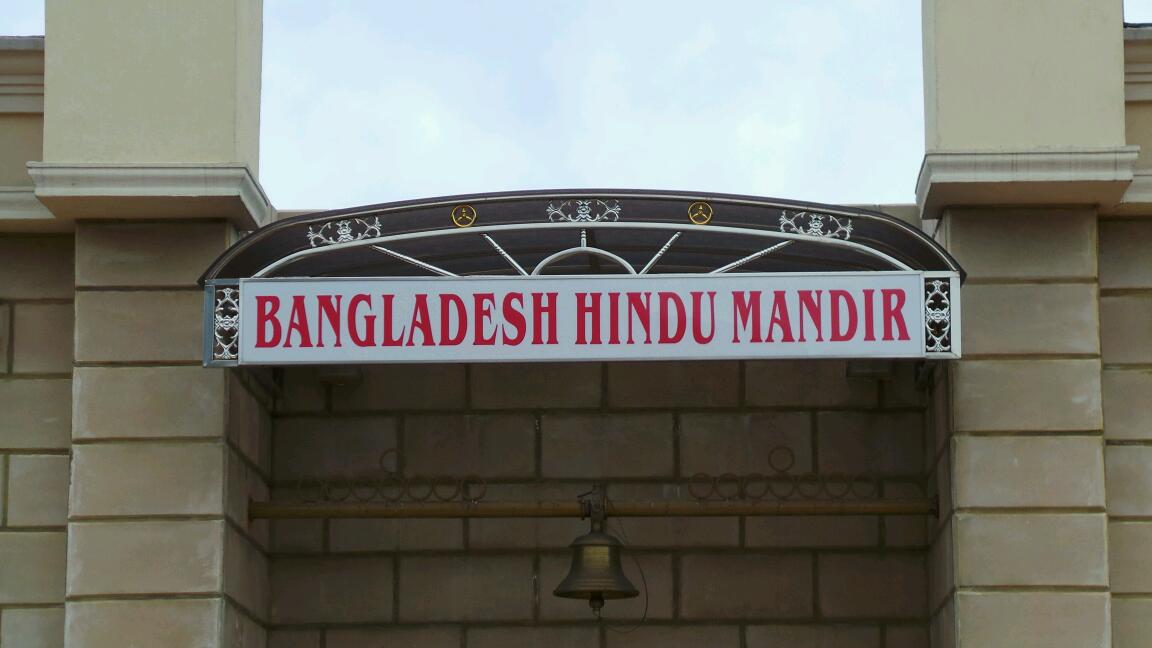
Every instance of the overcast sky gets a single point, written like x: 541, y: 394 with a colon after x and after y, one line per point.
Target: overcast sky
x: 367, y: 101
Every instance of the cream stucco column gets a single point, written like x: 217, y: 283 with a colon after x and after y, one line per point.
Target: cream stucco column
x: 150, y: 146
x: 1023, y: 104
x: 152, y: 110
x: 1025, y: 143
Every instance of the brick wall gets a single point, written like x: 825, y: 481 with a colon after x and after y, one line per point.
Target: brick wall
x: 36, y: 294
x: 1126, y: 341
x: 546, y: 432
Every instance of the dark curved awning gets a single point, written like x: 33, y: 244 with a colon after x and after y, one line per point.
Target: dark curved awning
x: 580, y: 232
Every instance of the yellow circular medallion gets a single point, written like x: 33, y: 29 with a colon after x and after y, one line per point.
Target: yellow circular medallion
x: 463, y: 215
x: 700, y: 213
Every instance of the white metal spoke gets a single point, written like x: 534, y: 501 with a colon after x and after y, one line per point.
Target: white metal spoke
x: 416, y: 262
x: 751, y: 257
x: 660, y: 253
x: 507, y: 257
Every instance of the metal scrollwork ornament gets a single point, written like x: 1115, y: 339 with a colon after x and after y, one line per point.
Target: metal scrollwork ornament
x: 343, y: 231
x: 937, y: 315
x: 226, y: 324
x: 592, y: 210
x: 814, y: 224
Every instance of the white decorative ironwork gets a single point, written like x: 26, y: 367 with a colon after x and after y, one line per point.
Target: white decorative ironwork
x: 937, y: 315
x: 432, y: 236
x: 813, y: 224
x: 592, y: 210
x: 343, y: 231
x: 226, y: 324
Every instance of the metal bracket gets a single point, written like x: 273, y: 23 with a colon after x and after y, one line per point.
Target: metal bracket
x: 594, y: 506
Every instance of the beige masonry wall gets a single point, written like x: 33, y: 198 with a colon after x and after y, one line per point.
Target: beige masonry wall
x: 166, y: 453
x: 546, y: 432
x: 1126, y: 338
x: 35, y: 397
x: 1021, y: 559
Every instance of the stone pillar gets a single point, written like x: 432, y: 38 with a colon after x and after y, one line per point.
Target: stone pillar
x: 1024, y: 114
x: 150, y: 146
x: 166, y: 453
x: 1027, y: 525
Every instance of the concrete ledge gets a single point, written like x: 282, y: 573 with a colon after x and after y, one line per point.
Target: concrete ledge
x: 154, y: 191
x: 1050, y: 177
x: 1137, y: 200
x: 21, y: 212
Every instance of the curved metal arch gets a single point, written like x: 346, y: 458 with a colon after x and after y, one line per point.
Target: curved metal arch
x: 564, y: 254
x: 373, y: 242
x: 334, y: 239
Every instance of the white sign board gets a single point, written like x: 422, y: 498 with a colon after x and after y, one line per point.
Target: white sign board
x: 572, y: 318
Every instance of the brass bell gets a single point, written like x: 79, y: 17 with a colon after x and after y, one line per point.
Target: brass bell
x: 596, y: 573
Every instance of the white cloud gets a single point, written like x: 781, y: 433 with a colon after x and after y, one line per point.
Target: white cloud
x: 370, y: 104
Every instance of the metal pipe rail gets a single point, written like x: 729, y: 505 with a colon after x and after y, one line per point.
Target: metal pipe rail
x: 574, y: 509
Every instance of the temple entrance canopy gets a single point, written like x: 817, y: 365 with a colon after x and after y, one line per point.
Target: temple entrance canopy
x: 585, y: 274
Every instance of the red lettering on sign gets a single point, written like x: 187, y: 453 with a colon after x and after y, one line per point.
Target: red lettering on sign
x: 640, y: 305
x: 780, y: 318
x: 514, y: 316
x: 894, y: 312
x: 869, y: 316
x: 369, y: 337
x: 843, y: 310
x: 483, y: 303
x: 298, y: 324
x: 697, y: 325
x: 329, y: 306
x: 670, y: 301
x: 614, y: 317
x: 266, y: 308
x: 448, y: 302
x: 539, y: 311
x: 389, y: 339
x: 421, y: 321
x: 747, y: 313
x: 587, y: 309
x: 811, y: 305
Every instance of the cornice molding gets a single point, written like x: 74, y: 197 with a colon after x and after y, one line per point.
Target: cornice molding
x: 1137, y: 200
x: 1138, y: 82
x: 86, y: 190
x: 21, y: 93
x: 20, y: 211
x: 1042, y: 177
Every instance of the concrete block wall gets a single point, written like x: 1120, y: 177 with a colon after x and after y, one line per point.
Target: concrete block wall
x: 165, y: 452
x: 1126, y: 339
x: 545, y: 432
x: 1021, y: 555
x: 36, y: 295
